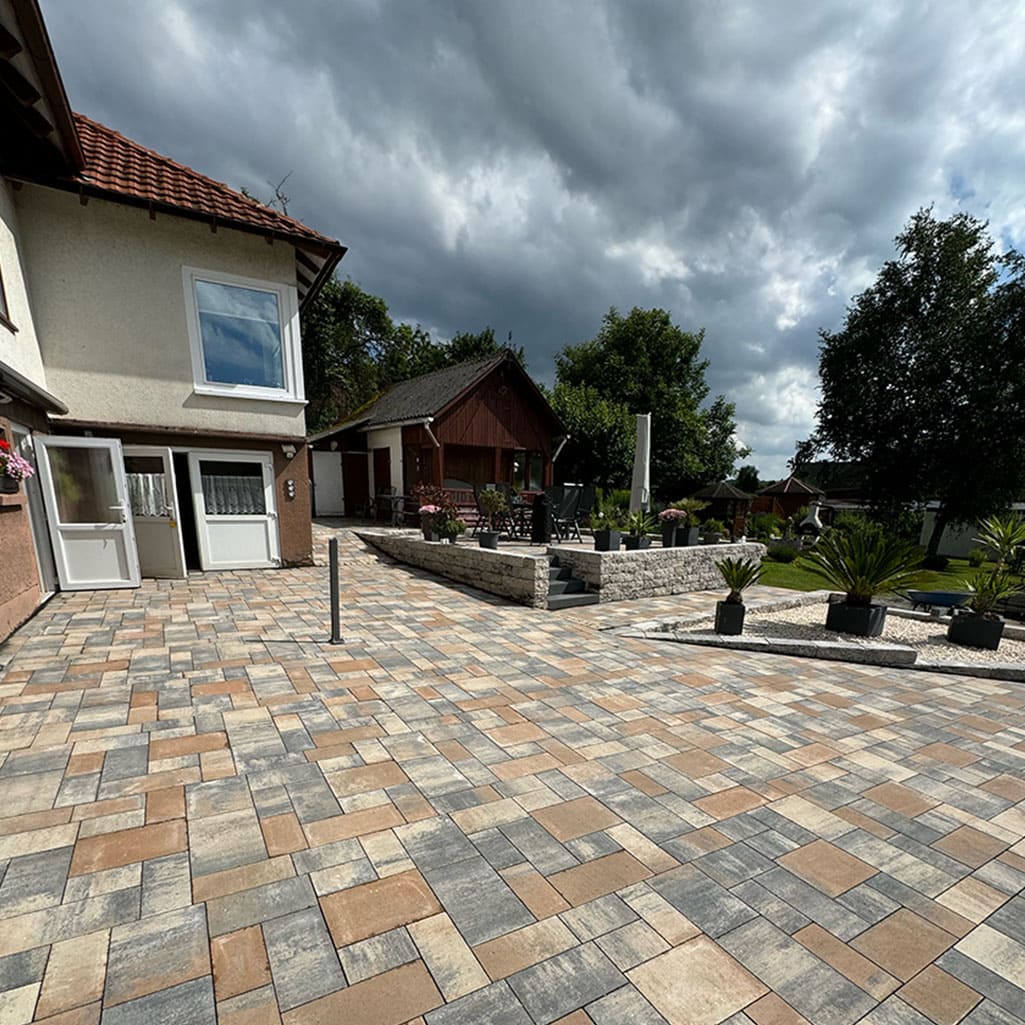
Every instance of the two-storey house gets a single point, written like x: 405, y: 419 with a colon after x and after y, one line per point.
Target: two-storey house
x: 150, y: 352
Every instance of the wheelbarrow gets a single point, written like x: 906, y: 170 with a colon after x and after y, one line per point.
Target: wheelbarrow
x: 936, y: 600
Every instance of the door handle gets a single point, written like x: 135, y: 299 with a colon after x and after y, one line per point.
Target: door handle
x: 120, y: 509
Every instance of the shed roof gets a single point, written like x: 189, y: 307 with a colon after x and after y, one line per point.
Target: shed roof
x: 790, y: 486
x: 723, y: 490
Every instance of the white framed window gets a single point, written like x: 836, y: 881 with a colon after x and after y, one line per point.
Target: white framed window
x: 244, y: 336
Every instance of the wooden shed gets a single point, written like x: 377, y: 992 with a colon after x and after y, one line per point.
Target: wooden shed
x: 479, y: 422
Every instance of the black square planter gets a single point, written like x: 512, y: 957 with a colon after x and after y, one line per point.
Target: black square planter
x: 636, y: 542
x: 975, y: 631
x: 606, y: 540
x: 729, y: 618
x: 860, y: 620
x: 488, y: 538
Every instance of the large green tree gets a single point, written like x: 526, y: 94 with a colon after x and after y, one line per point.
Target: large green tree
x: 925, y: 383
x: 602, y: 433
x: 644, y: 363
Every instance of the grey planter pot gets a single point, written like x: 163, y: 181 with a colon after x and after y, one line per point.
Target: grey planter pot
x: 636, y: 542
x: 687, y: 536
x: 856, y: 619
x: 669, y: 532
x: 488, y: 538
x: 606, y: 540
x: 729, y: 618
x: 973, y: 631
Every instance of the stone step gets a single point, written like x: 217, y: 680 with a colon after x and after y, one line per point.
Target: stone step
x: 569, y: 601
x: 559, y: 573
x: 569, y: 585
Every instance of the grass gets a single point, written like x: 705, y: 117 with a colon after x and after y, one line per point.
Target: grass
x: 795, y: 576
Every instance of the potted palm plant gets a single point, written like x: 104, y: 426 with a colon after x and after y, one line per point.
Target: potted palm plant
x: 638, y: 525
x: 606, y: 526
x: 687, y: 531
x: 862, y: 563
x: 737, y: 574
x: 977, y: 624
x: 491, y: 503
x: 712, y: 532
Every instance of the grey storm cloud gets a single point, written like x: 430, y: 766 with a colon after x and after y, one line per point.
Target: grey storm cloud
x: 526, y: 165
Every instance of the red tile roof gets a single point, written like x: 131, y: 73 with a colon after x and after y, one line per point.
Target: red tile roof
x: 114, y: 164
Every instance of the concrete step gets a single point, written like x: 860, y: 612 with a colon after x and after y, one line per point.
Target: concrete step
x: 559, y: 573
x: 569, y: 585
x: 569, y: 601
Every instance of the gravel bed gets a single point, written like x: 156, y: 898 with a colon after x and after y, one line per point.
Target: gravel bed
x: 928, y: 638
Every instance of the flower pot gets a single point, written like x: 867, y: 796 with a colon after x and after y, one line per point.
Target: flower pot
x: 606, y: 540
x: 861, y: 620
x: 451, y: 539
x: 687, y: 536
x: 669, y: 532
x: 430, y: 534
x: 8, y: 485
x: 729, y: 618
x: 637, y: 542
x: 488, y: 538
x: 711, y: 538
x: 975, y: 631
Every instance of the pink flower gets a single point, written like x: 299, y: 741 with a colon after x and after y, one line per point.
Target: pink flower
x: 429, y: 510
x: 16, y: 467
x: 671, y: 515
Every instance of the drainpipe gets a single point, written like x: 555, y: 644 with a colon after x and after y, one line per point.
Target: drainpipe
x: 430, y: 433
x: 562, y: 445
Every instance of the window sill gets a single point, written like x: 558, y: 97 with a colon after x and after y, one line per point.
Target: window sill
x: 6, y: 322
x: 249, y: 396
x: 12, y: 501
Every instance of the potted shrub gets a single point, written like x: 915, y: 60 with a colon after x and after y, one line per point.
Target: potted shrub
x: 687, y: 529
x: 428, y: 517
x: 606, y: 527
x: 737, y: 575
x: 450, y: 526
x: 13, y: 469
x: 673, y: 520
x: 978, y: 625
x: 491, y: 503
x: 638, y: 525
x: 862, y: 563
x: 712, y: 532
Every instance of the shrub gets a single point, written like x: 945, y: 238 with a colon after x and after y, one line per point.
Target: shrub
x: 863, y: 563
x: 976, y: 557
x: 783, y: 553
x: 936, y: 562
x: 764, y: 524
x: 713, y: 527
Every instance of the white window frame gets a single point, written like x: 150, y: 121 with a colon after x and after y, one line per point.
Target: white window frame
x: 291, y: 347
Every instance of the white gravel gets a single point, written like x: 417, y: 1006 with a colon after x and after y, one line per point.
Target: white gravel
x: 928, y: 637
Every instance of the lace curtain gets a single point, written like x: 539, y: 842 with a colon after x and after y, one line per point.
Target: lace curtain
x: 233, y: 495
x: 146, y: 494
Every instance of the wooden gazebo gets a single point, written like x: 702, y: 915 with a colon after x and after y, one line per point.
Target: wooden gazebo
x: 726, y: 503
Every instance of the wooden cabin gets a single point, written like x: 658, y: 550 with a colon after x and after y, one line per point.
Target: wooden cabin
x: 786, y: 497
x: 476, y: 423
x: 726, y: 503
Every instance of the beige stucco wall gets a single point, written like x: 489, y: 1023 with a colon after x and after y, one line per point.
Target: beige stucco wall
x: 390, y: 438
x: 18, y: 349
x: 109, y: 304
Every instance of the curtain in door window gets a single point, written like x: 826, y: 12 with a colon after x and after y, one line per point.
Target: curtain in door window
x: 146, y: 494
x: 232, y: 489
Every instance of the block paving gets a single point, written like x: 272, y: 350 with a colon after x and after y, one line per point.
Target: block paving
x: 473, y: 812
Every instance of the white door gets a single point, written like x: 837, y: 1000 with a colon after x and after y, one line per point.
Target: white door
x: 86, y: 498
x: 36, y: 515
x: 328, y: 497
x: 236, y: 520
x: 153, y: 498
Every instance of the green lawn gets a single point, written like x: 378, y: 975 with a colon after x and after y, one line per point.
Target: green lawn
x: 797, y: 577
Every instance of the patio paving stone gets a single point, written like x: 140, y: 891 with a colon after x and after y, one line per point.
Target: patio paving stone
x: 474, y: 812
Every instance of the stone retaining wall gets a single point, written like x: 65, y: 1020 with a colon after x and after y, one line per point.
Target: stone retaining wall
x: 522, y: 578
x: 617, y: 576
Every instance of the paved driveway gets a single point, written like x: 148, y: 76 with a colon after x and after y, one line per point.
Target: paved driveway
x: 477, y: 813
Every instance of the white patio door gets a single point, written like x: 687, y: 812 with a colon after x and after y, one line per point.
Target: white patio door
x: 86, y: 498
x: 236, y: 520
x: 153, y: 497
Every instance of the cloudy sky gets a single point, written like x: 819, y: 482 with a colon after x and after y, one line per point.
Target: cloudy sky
x: 526, y: 164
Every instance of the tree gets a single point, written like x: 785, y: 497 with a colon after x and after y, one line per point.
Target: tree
x: 644, y: 363
x: 466, y: 346
x: 747, y: 479
x: 602, y: 432
x: 925, y: 383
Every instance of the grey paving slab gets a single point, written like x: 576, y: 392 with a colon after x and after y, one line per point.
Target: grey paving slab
x: 191, y: 1003
x: 624, y: 1005
x: 708, y: 905
x: 495, y: 1004
x: 302, y: 958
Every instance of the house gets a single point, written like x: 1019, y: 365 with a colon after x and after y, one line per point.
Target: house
x: 478, y: 422
x: 150, y: 356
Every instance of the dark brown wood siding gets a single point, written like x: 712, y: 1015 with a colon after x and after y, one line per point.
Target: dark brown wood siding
x: 499, y: 413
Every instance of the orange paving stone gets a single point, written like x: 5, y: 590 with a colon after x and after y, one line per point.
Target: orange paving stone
x: 697, y: 763
x: 572, y: 819
x: 391, y: 998
x: 848, y: 962
x: 356, y: 823
x: 970, y: 846
x: 363, y: 778
x: 827, y: 868
x: 239, y: 962
x: 596, y: 878
x: 126, y: 846
x: 178, y: 746
x: 245, y: 877
x: 530, y: 945
x: 165, y: 804
x: 728, y: 803
x: 283, y: 834
x: 939, y: 996
x: 903, y: 944
x: 373, y: 908
x: 75, y: 973
x: 772, y: 1009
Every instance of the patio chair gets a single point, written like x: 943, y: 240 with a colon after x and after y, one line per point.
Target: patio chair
x: 565, y: 512
x: 512, y: 518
